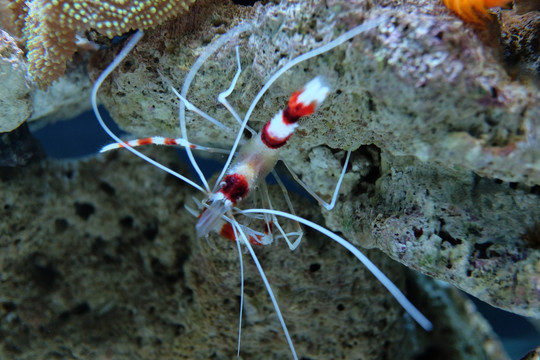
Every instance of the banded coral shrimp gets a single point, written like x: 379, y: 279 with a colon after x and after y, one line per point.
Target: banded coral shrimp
x: 242, y: 233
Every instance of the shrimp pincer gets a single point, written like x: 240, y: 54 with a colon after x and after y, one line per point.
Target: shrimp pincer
x: 260, y: 154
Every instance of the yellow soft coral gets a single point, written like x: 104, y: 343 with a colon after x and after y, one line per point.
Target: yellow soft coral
x: 49, y: 26
x: 475, y: 11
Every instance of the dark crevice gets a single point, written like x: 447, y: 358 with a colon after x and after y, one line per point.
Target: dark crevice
x: 314, y: 267
x: 481, y: 250
x: 151, y: 231
x: 43, y: 272
x: 445, y: 236
x: 84, y: 210
x: 449, y: 238
x: 107, y: 188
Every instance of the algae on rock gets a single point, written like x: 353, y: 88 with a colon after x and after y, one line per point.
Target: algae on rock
x: 101, y: 259
x: 443, y: 180
x: 428, y: 94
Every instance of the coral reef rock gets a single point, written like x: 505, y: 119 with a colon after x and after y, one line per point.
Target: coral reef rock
x: 445, y: 179
x: 21, y: 101
x: 15, y: 99
x: 19, y: 147
x: 100, y: 260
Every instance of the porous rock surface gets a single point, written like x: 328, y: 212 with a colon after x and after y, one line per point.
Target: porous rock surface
x: 100, y: 261
x: 15, y: 99
x: 21, y: 101
x: 445, y: 178
x: 65, y: 98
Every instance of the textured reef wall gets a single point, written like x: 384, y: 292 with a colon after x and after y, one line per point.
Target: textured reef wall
x: 447, y: 179
x: 16, y: 107
x: 100, y: 259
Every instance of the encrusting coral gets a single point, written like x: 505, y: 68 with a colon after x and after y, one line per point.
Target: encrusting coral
x: 49, y: 27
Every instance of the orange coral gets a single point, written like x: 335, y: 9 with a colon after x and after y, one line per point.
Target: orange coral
x: 475, y: 11
x: 49, y: 26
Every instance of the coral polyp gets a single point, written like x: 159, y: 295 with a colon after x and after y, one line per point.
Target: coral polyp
x: 49, y: 27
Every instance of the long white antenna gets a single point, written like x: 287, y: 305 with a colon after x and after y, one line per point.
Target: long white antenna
x: 385, y: 281
x: 366, y: 26
x: 187, y: 83
x: 268, y: 288
x: 241, y: 290
x: 113, y: 65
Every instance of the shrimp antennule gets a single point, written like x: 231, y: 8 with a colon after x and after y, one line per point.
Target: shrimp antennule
x: 160, y: 140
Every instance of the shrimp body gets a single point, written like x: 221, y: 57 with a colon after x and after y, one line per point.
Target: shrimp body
x: 259, y: 155
x: 474, y: 11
